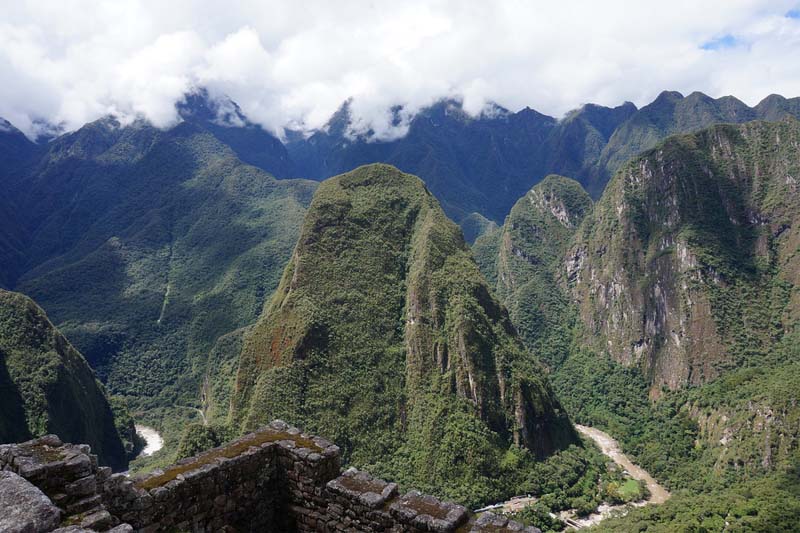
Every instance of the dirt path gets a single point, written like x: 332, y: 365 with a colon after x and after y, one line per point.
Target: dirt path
x: 610, y: 447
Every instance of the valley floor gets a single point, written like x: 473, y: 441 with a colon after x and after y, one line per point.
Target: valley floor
x: 610, y: 448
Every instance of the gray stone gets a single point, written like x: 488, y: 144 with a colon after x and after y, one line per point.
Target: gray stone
x: 122, y: 528
x: 25, y: 508
x: 82, y: 487
x: 100, y: 520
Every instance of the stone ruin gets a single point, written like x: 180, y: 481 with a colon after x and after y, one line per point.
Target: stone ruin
x: 277, y: 479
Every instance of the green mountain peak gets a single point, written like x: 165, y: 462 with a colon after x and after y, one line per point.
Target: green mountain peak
x: 384, y: 335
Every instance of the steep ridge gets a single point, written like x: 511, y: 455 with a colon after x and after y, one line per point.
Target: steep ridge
x: 688, y: 265
x: 529, y: 257
x: 47, y: 385
x: 384, y: 335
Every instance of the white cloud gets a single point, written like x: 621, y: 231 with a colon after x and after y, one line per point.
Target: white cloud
x: 292, y: 63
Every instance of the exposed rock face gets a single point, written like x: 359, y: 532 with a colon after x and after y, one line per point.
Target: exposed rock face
x: 688, y: 264
x: 47, y: 385
x: 383, y: 332
x: 528, y: 261
x: 25, y: 509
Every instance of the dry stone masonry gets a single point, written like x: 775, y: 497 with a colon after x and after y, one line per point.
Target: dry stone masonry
x: 277, y: 479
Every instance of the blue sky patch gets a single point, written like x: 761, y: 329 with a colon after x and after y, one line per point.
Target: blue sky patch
x: 794, y: 13
x: 719, y: 43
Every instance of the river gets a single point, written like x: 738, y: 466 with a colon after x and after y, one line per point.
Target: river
x: 611, y: 449
x: 153, y: 440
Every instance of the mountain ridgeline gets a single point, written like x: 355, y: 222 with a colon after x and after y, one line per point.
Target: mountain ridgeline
x: 47, y: 386
x: 484, y: 164
x: 383, y: 335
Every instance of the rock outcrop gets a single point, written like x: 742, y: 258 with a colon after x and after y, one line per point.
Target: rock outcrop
x: 25, y: 508
x: 688, y: 265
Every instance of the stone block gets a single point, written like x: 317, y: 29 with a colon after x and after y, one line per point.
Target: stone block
x: 25, y: 508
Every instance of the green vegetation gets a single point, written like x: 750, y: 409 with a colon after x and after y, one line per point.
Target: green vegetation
x: 475, y: 225
x: 47, y: 387
x: 197, y: 438
x: 694, y: 240
x: 767, y: 504
x: 149, y: 246
x: 384, y: 337
x: 533, y: 242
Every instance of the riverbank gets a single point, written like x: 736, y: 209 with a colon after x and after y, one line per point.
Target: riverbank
x: 611, y: 449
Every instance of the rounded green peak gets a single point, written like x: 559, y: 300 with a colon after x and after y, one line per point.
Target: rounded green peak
x: 556, y: 196
x: 377, y: 174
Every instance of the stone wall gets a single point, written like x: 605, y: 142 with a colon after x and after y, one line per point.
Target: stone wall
x: 274, y: 480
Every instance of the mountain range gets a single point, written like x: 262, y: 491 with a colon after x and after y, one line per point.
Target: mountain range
x: 679, y: 285
x: 484, y: 164
x: 632, y: 269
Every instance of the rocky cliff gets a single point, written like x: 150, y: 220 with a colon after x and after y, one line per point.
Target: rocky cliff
x: 384, y: 335
x: 688, y: 265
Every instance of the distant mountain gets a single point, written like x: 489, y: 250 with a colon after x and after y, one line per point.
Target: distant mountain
x: 17, y: 154
x: 484, y: 164
x: 470, y: 164
x: 145, y: 246
x: 477, y: 164
x: 251, y: 143
x: 47, y: 387
x: 384, y: 335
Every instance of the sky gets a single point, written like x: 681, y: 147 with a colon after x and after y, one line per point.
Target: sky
x: 291, y: 64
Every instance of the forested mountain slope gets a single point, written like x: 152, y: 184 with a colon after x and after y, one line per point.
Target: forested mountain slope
x: 146, y: 245
x: 384, y: 335
x: 677, y: 323
x: 525, y: 259
x: 47, y: 386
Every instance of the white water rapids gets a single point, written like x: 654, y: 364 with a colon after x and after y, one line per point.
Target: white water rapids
x: 153, y: 440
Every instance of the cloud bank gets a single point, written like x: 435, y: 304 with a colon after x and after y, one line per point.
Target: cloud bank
x: 292, y: 64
